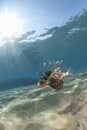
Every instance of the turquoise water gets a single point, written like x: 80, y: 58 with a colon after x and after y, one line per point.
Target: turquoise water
x: 25, y: 107
x: 22, y: 57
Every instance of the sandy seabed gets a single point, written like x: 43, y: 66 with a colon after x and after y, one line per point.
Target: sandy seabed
x: 29, y: 108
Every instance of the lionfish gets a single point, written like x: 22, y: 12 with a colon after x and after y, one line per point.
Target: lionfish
x: 53, y: 76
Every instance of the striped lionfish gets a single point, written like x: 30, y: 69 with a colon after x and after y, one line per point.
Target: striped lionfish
x: 53, y: 76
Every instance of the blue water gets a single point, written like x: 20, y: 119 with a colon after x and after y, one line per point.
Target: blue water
x: 21, y: 103
x: 23, y: 57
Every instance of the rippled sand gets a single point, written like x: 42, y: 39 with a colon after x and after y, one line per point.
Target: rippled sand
x: 30, y: 108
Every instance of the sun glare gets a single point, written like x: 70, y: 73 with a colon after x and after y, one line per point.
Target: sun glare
x: 9, y: 24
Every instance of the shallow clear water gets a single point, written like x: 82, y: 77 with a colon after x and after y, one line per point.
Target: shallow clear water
x: 25, y: 107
